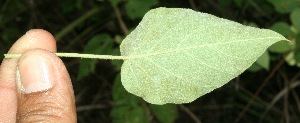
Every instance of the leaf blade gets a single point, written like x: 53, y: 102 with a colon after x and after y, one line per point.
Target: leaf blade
x: 178, y: 55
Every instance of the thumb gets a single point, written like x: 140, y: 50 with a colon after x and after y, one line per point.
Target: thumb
x: 45, y: 89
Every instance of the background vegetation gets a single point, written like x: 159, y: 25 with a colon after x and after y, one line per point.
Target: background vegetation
x: 267, y: 92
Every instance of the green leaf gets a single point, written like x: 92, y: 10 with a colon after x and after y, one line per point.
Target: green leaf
x: 239, y: 3
x: 297, y: 49
x: 224, y: 2
x: 254, y: 67
x: 290, y: 59
x: 121, y: 96
x: 126, y: 114
x: 167, y: 113
x: 114, y: 3
x: 285, y: 6
x: 137, y: 8
x: 297, y: 55
x: 297, y: 40
x: 70, y: 5
x: 295, y: 18
x: 99, y: 44
x: 126, y: 108
x: 264, y: 60
x: 177, y: 55
x: 282, y: 28
x: 280, y: 47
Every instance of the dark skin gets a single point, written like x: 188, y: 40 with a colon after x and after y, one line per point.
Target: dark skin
x: 35, y: 87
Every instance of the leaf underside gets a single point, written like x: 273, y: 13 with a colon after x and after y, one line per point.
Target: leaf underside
x: 177, y: 55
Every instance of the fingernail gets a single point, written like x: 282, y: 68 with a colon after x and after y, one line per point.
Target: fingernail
x: 34, y: 73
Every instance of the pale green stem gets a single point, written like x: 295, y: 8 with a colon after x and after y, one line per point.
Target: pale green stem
x: 77, y: 55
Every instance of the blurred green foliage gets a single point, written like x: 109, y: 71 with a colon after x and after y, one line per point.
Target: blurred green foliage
x: 98, y: 27
x: 137, y: 8
x: 99, y: 44
x: 285, y: 6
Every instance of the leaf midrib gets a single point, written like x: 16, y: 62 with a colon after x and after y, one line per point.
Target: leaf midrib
x: 131, y: 57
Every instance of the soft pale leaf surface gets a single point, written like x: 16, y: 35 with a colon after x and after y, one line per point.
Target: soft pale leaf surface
x: 177, y: 55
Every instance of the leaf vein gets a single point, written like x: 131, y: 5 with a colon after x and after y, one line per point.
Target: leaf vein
x: 194, y: 47
x: 173, y: 74
x: 193, y: 57
x: 148, y: 76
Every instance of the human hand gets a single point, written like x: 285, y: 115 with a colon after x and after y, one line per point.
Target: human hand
x: 36, y: 87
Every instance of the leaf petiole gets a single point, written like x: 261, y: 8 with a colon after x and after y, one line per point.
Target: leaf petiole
x: 77, y: 55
